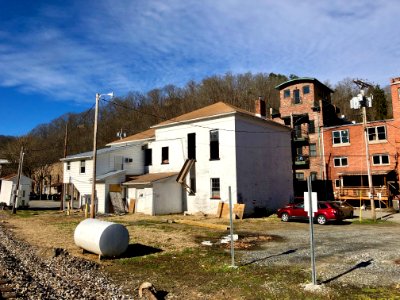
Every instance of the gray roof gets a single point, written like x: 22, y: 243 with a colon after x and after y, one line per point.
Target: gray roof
x: 89, y: 154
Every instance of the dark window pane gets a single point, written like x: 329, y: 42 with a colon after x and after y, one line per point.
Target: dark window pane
x: 336, y: 161
x: 381, y: 133
x: 192, y: 146
x: 311, y: 127
x: 286, y: 93
x: 385, y: 159
x: 296, y: 96
x: 148, y: 157
x: 344, y: 161
x: 306, y: 89
x: 214, y: 144
x: 376, y: 159
x: 164, y: 155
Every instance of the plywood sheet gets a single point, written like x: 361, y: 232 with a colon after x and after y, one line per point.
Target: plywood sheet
x: 132, y: 203
x: 115, y: 188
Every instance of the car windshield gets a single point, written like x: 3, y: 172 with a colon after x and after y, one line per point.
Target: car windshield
x: 335, y: 204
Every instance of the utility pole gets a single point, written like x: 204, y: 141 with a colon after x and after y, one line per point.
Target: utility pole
x: 93, y: 198
x: 96, y: 115
x: 355, y: 103
x: 21, y: 161
x: 64, y: 188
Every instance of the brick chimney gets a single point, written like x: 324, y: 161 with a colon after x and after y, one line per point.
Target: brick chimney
x: 260, y: 108
x: 395, y: 90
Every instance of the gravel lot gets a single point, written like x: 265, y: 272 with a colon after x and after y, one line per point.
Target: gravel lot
x: 362, y: 255
x: 59, y: 277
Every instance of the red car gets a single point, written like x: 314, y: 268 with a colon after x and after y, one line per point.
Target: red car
x: 327, y: 211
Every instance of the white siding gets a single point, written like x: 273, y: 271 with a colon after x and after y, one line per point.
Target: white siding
x: 167, y: 197
x: 225, y: 168
x: 263, y: 165
x: 8, y: 187
x: 144, y: 199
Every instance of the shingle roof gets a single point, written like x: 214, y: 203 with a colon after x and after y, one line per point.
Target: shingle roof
x: 216, y: 109
x: 149, y: 178
x: 144, y: 135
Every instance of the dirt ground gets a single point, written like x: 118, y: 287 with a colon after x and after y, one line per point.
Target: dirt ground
x: 353, y: 260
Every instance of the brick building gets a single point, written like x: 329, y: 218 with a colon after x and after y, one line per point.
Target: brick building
x: 345, y: 155
x: 331, y: 150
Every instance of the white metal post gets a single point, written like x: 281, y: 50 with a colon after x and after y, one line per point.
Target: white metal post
x: 311, y: 220
x: 231, y: 229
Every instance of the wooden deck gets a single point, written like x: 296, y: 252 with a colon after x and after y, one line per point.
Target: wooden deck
x: 362, y: 194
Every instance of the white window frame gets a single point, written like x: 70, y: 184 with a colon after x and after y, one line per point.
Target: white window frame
x: 214, y: 189
x: 380, y: 159
x: 374, y: 136
x: 82, y: 164
x: 300, y: 176
x: 68, y: 166
x: 340, y: 159
x: 341, y: 136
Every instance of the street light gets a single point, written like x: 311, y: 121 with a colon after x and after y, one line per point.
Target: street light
x: 96, y: 114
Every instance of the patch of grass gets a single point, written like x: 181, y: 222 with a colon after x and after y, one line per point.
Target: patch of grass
x: 372, y: 222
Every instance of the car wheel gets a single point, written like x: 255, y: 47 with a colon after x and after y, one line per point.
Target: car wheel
x: 285, y: 217
x: 321, y: 219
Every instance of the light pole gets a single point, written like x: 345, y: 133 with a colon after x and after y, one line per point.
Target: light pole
x: 96, y: 115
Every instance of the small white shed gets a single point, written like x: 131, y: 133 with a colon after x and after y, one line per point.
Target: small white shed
x: 156, y: 193
x: 8, y: 186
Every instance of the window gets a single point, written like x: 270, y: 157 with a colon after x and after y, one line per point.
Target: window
x: 164, y: 155
x: 377, y: 133
x: 191, y: 140
x: 214, y: 145
x: 380, y: 159
x: 300, y: 176
x: 306, y: 89
x: 68, y: 165
x: 313, y: 176
x: 337, y: 183
x: 313, y: 150
x: 296, y: 96
x: 341, y: 137
x: 128, y: 160
x: 311, y: 126
x: 286, y: 93
x: 148, y: 157
x: 83, y: 167
x: 340, y: 161
x: 23, y: 193
x: 215, y: 188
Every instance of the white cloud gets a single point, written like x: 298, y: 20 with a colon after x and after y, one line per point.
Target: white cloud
x: 138, y: 45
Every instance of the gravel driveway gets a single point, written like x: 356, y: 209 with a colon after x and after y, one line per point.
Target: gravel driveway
x: 366, y: 255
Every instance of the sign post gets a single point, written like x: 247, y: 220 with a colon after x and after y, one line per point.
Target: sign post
x: 311, y: 206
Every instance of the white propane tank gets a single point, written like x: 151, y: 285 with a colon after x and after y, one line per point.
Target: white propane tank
x: 101, y: 237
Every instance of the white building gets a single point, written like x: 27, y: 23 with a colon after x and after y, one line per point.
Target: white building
x: 8, y: 186
x: 113, y: 164
x: 206, y: 151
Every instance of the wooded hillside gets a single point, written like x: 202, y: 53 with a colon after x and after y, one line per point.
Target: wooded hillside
x: 137, y: 111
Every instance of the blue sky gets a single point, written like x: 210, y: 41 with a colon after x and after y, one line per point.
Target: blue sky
x: 56, y: 55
